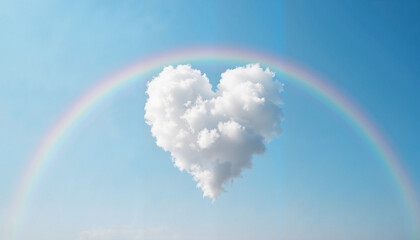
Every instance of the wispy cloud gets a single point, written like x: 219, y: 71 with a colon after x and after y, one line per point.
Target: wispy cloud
x: 128, y: 232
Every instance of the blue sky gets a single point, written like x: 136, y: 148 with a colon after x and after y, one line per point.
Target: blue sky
x: 318, y: 180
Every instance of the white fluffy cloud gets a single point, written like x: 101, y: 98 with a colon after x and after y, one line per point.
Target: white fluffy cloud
x: 213, y: 135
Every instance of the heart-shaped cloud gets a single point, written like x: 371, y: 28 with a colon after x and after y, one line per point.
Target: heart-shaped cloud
x: 213, y: 135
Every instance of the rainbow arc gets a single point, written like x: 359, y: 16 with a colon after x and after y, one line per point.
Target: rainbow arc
x: 113, y: 84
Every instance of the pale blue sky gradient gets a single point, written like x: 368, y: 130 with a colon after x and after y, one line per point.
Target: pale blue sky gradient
x: 317, y: 181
